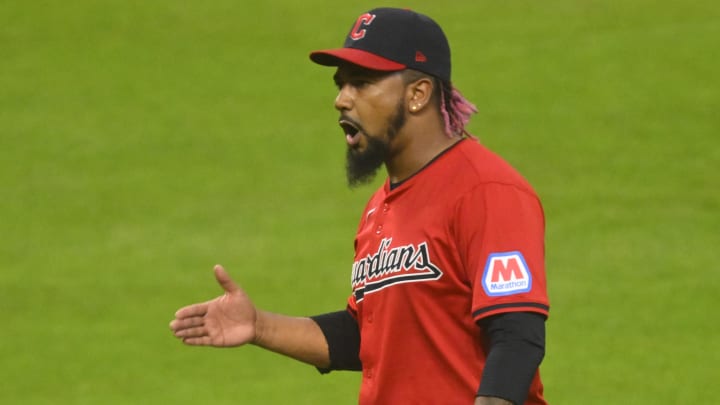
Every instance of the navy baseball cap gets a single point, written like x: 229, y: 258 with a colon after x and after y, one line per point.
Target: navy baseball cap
x: 392, y: 39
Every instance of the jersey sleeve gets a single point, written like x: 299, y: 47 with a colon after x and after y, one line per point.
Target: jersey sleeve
x: 501, y: 241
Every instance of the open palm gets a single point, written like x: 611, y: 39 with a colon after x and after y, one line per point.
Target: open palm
x: 228, y: 320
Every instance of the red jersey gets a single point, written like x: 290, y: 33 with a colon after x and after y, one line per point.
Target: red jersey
x: 458, y: 241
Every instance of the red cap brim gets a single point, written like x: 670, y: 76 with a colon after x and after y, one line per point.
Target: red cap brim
x: 333, y: 57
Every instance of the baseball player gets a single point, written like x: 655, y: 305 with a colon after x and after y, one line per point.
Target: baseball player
x: 448, y: 301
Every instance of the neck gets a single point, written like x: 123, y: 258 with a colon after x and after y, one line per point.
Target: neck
x: 419, y: 142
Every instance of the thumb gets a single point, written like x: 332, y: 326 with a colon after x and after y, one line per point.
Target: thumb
x: 224, y: 279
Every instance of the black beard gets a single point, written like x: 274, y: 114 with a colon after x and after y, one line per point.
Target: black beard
x: 361, y: 167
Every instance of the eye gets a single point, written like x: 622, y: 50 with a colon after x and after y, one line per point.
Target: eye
x: 359, y: 83
x: 356, y: 83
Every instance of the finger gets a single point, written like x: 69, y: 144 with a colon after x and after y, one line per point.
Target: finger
x: 224, y: 279
x: 192, y: 310
x: 199, y: 331
x: 198, y: 341
x: 179, y: 324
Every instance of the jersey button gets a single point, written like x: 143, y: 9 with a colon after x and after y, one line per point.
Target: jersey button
x: 378, y: 230
x: 369, y: 373
x: 370, y: 318
x: 386, y: 208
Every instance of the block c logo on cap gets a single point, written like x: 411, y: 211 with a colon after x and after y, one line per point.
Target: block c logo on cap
x: 506, y: 274
x: 363, y: 21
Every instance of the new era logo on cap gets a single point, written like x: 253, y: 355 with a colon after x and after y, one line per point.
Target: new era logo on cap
x: 505, y: 274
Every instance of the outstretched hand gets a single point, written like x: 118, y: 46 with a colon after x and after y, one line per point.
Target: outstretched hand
x: 228, y: 320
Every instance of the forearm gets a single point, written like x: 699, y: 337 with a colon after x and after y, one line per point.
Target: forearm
x: 491, y: 401
x: 515, y: 345
x: 296, y: 337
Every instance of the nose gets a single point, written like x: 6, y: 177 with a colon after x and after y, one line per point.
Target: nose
x: 344, y: 99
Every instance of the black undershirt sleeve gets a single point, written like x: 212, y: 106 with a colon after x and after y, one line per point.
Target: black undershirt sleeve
x: 515, y: 345
x: 343, y: 338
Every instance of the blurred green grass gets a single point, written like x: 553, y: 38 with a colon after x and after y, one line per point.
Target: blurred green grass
x: 143, y: 142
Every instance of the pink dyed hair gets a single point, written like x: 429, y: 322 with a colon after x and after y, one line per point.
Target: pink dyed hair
x: 456, y: 111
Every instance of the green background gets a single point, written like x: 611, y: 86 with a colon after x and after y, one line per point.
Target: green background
x: 143, y: 142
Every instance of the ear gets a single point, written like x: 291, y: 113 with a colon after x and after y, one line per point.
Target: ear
x: 419, y: 94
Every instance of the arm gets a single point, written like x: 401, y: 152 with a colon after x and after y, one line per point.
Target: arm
x: 491, y: 401
x: 342, y: 334
x: 501, y: 238
x: 296, y: 337
x: 515, y: 344
x: 232, y: 320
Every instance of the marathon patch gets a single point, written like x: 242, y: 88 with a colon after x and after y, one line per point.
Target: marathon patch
x: 506, y: 274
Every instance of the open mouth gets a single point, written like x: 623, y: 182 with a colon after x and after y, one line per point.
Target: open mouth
x: 351, y: 131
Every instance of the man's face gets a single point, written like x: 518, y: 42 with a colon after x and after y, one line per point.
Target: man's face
x: 372, y: 112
